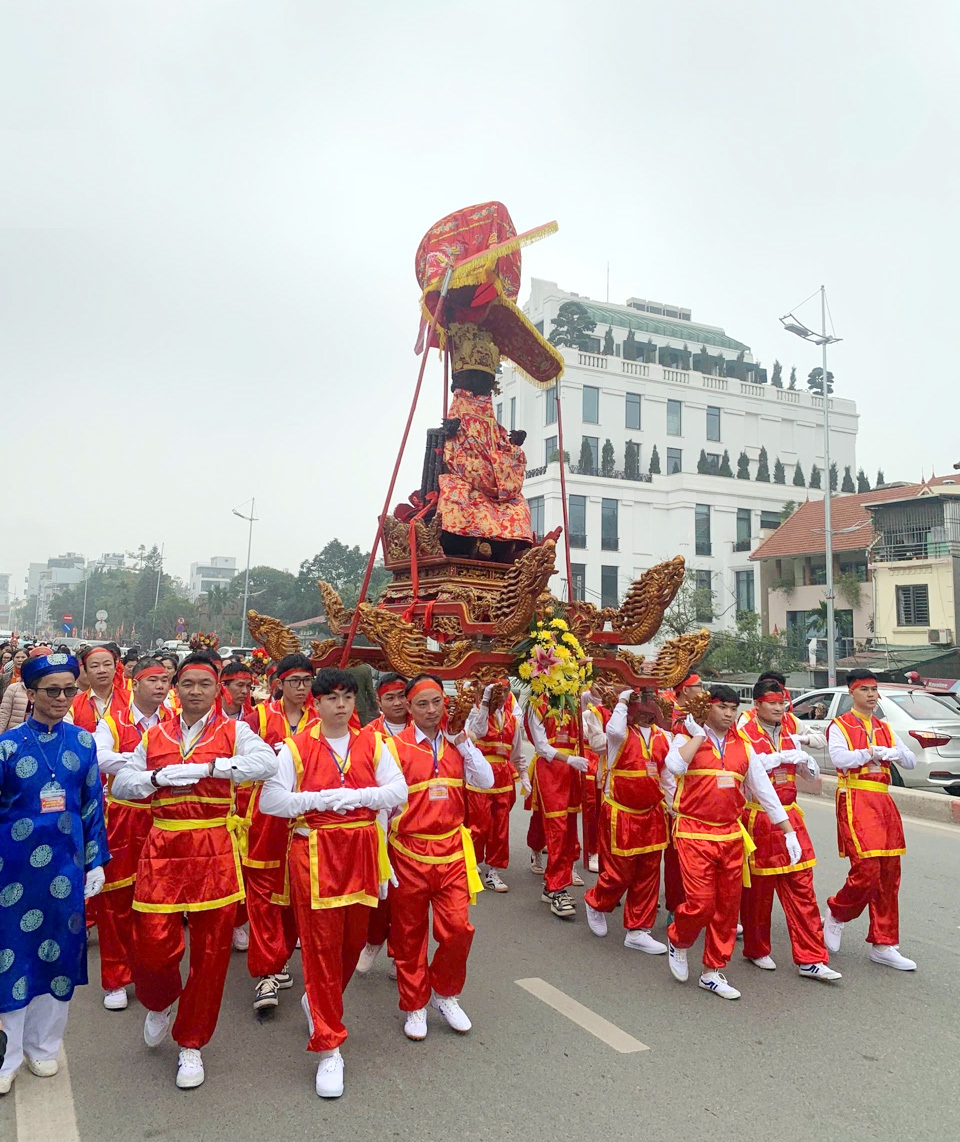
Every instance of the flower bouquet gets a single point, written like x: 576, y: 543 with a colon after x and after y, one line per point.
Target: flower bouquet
x: 259, y: 661
x: 202, y: 641
x: 552, y: 663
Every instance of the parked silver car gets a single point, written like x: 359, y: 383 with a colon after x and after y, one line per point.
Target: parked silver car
x: 927, y: 723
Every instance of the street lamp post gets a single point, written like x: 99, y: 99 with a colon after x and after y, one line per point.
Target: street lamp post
x: 246, y: 585
x: 793, y: 325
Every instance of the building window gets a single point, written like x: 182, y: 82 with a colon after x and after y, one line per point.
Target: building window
x: 513, y: 413
x: 674, y: 461
x: 674, y: 418
x: 745, y: 599
x: 578, y: 573
x: 743, y: 530
x: 500, y: 412
x: 590, y: 450
x: 550, y: 449
x: 703, y: 600
x: 550, y: 408
x: 713, y: 423
x: 769, y: 520
x: 713, y: 463
x: 913, y: 605
x: 591, y: 404
x: 577, y: 512
x: 609, y: 595
x: 609, y: 532
x: 536, y: 517
x: 701, y: 529
x: 633, y: 410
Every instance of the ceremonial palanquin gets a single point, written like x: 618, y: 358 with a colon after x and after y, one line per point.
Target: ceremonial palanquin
x: 469, y: 576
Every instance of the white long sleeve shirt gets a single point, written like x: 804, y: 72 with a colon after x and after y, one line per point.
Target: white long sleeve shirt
x: 278, y: 798
x: 843, y: 757
x: 478, y: 726
x: 538, y: 737
x: 109, y: 761
x: 253, y: 760
x: 757, y: 785
x: 476, y: 769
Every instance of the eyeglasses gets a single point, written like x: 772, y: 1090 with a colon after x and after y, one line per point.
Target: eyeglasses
x: 54, y: 692
x: 298, y: 682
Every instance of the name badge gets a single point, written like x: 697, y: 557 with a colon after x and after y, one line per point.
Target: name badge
x: 437, y: 793
x: 725, y: 780
x: 53, y: 798
x: 652, y: 769
x: 781, y: 776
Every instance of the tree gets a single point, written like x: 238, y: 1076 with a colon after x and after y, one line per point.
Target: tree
x: 571, y: 325
x: 608, y: 342
x: 815, y: 477
x: 776, y: 378
x: 631, y: 460
x: 779, y: 473
x: 743, y: 466
x: 343, y: 568
x: 798, y: 480
x: 629, y: 347
x: 815, y: 381
x: 787, y: 510
x: 554, y: 456
x: 863, y: 483
x: 654, y: 462
x: 725, y: 469
x: 586, y: 462
x: 833, y: 476
x: 703, y: 464
x: 881, y: 479
x: 747, y: 650
x: 793, y: 378
x: 608, y: 460
x: 274, y: 592
x: 692, y: 606
x: 763, y: 467
x: 847, y: 485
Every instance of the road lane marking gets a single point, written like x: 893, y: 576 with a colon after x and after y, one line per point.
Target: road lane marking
x: 45, y: 1110
x: 589, y: 1020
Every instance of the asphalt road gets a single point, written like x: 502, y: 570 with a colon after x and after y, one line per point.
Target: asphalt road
x: 873, y: 1057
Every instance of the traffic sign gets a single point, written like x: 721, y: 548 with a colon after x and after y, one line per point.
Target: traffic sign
x: 67, y: 628
x: 99, y: 626
x: 68, y: 618
x: 101, y: 615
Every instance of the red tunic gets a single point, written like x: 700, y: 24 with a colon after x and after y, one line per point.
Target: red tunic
x: 497, y: 746
x: 868, y: 821
x: 556, y: 786
x: 190, y: 862
x: 771, y: 857
x: 637, y: 820
x: 710, y: 798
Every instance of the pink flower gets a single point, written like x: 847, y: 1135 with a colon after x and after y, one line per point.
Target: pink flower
x: 543, y: 659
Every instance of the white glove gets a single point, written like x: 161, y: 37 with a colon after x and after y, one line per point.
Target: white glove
x: 487, y: 691
x: 793, y: 847
x: 886, y: 753
x: 525, y: 785
x: 578, y: 763
x: 93, y: 882
x: 792, y: 756
x: 180, y: 775
x: 813, y: 768
x: 341, y: 800
x: 456, y: 739
x: 625, y: 696
x: 692, y: 728
x: 191, y: 770
x: 813, y: 738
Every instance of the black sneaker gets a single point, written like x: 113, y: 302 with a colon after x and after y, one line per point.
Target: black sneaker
x: 265, y: 994
x: 284, y: 979
x: 562, y: 905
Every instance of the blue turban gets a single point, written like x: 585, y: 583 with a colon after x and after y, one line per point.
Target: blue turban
x: 36, y: 668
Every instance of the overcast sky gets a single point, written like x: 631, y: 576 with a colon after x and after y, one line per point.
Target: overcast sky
x: 209, y: 212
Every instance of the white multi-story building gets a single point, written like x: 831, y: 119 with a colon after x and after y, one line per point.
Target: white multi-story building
x: 623, y: 519
x: 46, y: 581
x: 217, y: 571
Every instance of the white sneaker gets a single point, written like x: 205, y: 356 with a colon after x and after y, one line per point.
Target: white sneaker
x: 189, y: 1068
x: 536, y: 864
x: 593, y: 863
x: 818, y: 971
x: 415, y: 1025
x: 155, y: 1027
x: 889, y: 956
x: 284, y: 979
x: 493, y: 881
x: 641, y: 941
x: 577, y: 880
x: 368, y: 957
x: 330, y: 1075
x: 6, y: 1082
x: 392, y: 973
x: 42, y: 1068
x: 305, y: 1004
x: 832, y: 932
x: 765, y: 962
x: 596, y: 921
x: 739, y: 931
x: 451, y: 1010
x: 115, y: 1000
x: 717, y: 983
x: 678, y: 963
x: 241, y: 941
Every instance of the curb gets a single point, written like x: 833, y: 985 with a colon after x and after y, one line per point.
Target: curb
x: 910, y: 802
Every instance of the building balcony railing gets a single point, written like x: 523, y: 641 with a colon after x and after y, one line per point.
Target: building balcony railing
x: 577, y: 470
x: 912, y: 543
x: 578, y: 539
x: 609, y: 543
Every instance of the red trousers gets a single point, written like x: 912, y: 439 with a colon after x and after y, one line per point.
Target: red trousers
x: 444, y: 886
x: 637, y: 876
x: 558, y: 794
x: 331, y: 940
x: 711, y: 873
x: 273, y: 928
x: 159, y: 946
x: 672, y: 878
x: 488, y: 817
x: 874, y: 883
x: 115, y: 929
x: 378, y: 924
x: 799, y: 903
x: 536, y: 834
x: 590, y: 801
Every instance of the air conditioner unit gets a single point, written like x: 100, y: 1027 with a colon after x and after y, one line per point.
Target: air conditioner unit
x: 940, y: 637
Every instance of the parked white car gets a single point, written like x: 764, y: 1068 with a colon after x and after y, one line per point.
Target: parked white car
x: 927, y: 723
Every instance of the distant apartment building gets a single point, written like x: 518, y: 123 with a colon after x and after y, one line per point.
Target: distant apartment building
x: 218, y: 571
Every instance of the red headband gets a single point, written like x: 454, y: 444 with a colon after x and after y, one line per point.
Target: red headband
x: 205, y: 667
x: 858, y: 682
x: 292, y: 670
x: 151, y: 672
x: 772, y: 696
x: 235, y: 674
x: 96, y: 650
x: 693, y: 680
x: 424, y: 684
x: 716, y: 698
x: 390, y: 687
